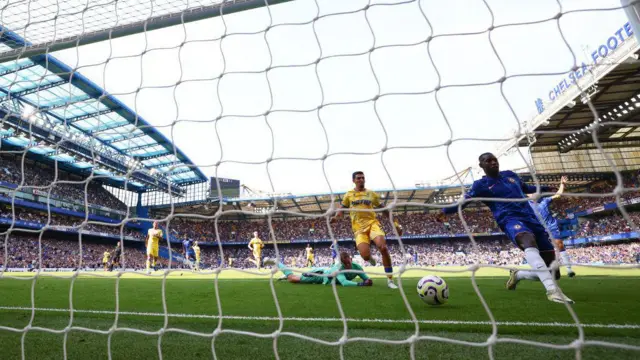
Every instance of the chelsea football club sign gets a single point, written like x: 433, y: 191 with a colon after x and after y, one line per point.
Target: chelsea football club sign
x: 613, y: 42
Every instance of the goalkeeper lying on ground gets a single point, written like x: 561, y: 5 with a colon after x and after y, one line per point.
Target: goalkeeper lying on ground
x: 312, y: 277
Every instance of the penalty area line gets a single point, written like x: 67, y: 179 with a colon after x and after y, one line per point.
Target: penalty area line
x: 310, y: 319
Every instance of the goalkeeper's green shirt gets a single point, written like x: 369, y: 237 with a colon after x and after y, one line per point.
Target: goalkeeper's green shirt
x: 345, y: 279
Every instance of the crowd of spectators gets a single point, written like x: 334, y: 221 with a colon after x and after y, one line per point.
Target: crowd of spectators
x: 417, y: 223
x: 41, y: 176
x: 66, y: 222
x: 23, y: 252
x: 607, y: 225
x: 23, y: 249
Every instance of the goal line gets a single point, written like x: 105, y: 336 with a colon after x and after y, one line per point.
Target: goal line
x: 327, y: 319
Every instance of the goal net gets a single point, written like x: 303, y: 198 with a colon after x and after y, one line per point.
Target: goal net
x: 119, y: 114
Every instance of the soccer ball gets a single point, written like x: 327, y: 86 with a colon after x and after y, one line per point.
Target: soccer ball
x: 433, y: 290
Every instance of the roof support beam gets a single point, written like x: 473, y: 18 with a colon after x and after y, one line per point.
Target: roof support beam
x: 318, y: 202
x: 177, y: 172
x: 157, y: 166
x: 88, y: 116
x: 107, y: 127
x: 67, y: 102
x: 136, y: 148
x: 149, y: 157
x: 413, y: 193
x: 22, y: 67
x: 37, y: 89
x: 124, y: 137
x: 297, y: 205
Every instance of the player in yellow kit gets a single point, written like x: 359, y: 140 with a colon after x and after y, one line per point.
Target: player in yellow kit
x: 105, y: 260
x: 153, y: 242
x: 196, y: 249
x: 310, y: 258
x: 256, y: 246
x: 365, y: 224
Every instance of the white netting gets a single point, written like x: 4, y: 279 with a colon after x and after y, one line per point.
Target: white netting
x: 369, y: 44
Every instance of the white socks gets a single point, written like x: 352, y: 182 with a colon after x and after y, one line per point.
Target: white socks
x: 526, y: 275
x: 565, y: 259
x: 535, y: 261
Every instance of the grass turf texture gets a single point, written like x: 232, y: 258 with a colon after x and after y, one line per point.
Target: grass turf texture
x: 605, y: 297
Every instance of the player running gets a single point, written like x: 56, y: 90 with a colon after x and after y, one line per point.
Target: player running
x: 312, y: 277
x: 187, y: 251
x: 516, y: 219
x: 256, y: 245
x: 153, y: 241
x: 115, y: 259
x: 552, y: 224
x: 334, y: 252
x: 105, y: 260
x: 196, y: 250
x: 310, y: 257
x: 365, y: 224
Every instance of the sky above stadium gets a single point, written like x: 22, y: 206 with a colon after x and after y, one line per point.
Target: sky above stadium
x: 350, y: 128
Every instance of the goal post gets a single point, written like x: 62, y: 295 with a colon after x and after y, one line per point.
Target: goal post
x: 77, y: 36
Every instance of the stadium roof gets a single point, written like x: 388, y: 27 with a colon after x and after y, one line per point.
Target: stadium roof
x: 616, y: 97
x: 67, y: 113
x: 560, y: 137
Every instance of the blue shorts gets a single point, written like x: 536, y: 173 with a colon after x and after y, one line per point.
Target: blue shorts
x: 515, y: 227
x: 191, y: 254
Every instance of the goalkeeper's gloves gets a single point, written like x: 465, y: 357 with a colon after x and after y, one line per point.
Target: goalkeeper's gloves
x: 367, y: 282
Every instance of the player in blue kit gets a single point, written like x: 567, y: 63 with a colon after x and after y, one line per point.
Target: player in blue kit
x: 543, y: 209
x: 334, y: 252
x: 517, y: 219
x: 187, y: 250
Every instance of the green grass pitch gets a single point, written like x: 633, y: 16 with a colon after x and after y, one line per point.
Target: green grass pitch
x: 607, y: 303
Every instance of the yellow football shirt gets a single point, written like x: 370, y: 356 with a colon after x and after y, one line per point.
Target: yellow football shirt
x: 361, y: 200
x: 256, y: 244
x: 154, y: 237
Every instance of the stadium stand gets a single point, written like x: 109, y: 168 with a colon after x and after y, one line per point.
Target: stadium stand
x: 41, y: 176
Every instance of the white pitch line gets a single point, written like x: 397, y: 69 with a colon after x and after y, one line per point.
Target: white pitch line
x: 305, y: 319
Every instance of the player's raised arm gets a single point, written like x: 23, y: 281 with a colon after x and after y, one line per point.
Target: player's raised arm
x: 339, y: 211
x: 563, y: 181
x: 530, y: 189
x: 476, y: 190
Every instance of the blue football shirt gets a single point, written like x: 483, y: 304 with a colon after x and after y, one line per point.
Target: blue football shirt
x: 507, y: 185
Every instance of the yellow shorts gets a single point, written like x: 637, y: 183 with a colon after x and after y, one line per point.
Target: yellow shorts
x: 365, y: 235
x: 256, y: 254
x: 152, y: 250
x: 310, y: 258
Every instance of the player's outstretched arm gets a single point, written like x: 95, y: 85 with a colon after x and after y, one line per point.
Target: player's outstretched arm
x: 342, y: 280
x: 529, y: 189
x: 338, y: 214
x: 475, y: 191
x: 563, y: 181
x: 362, y: 275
